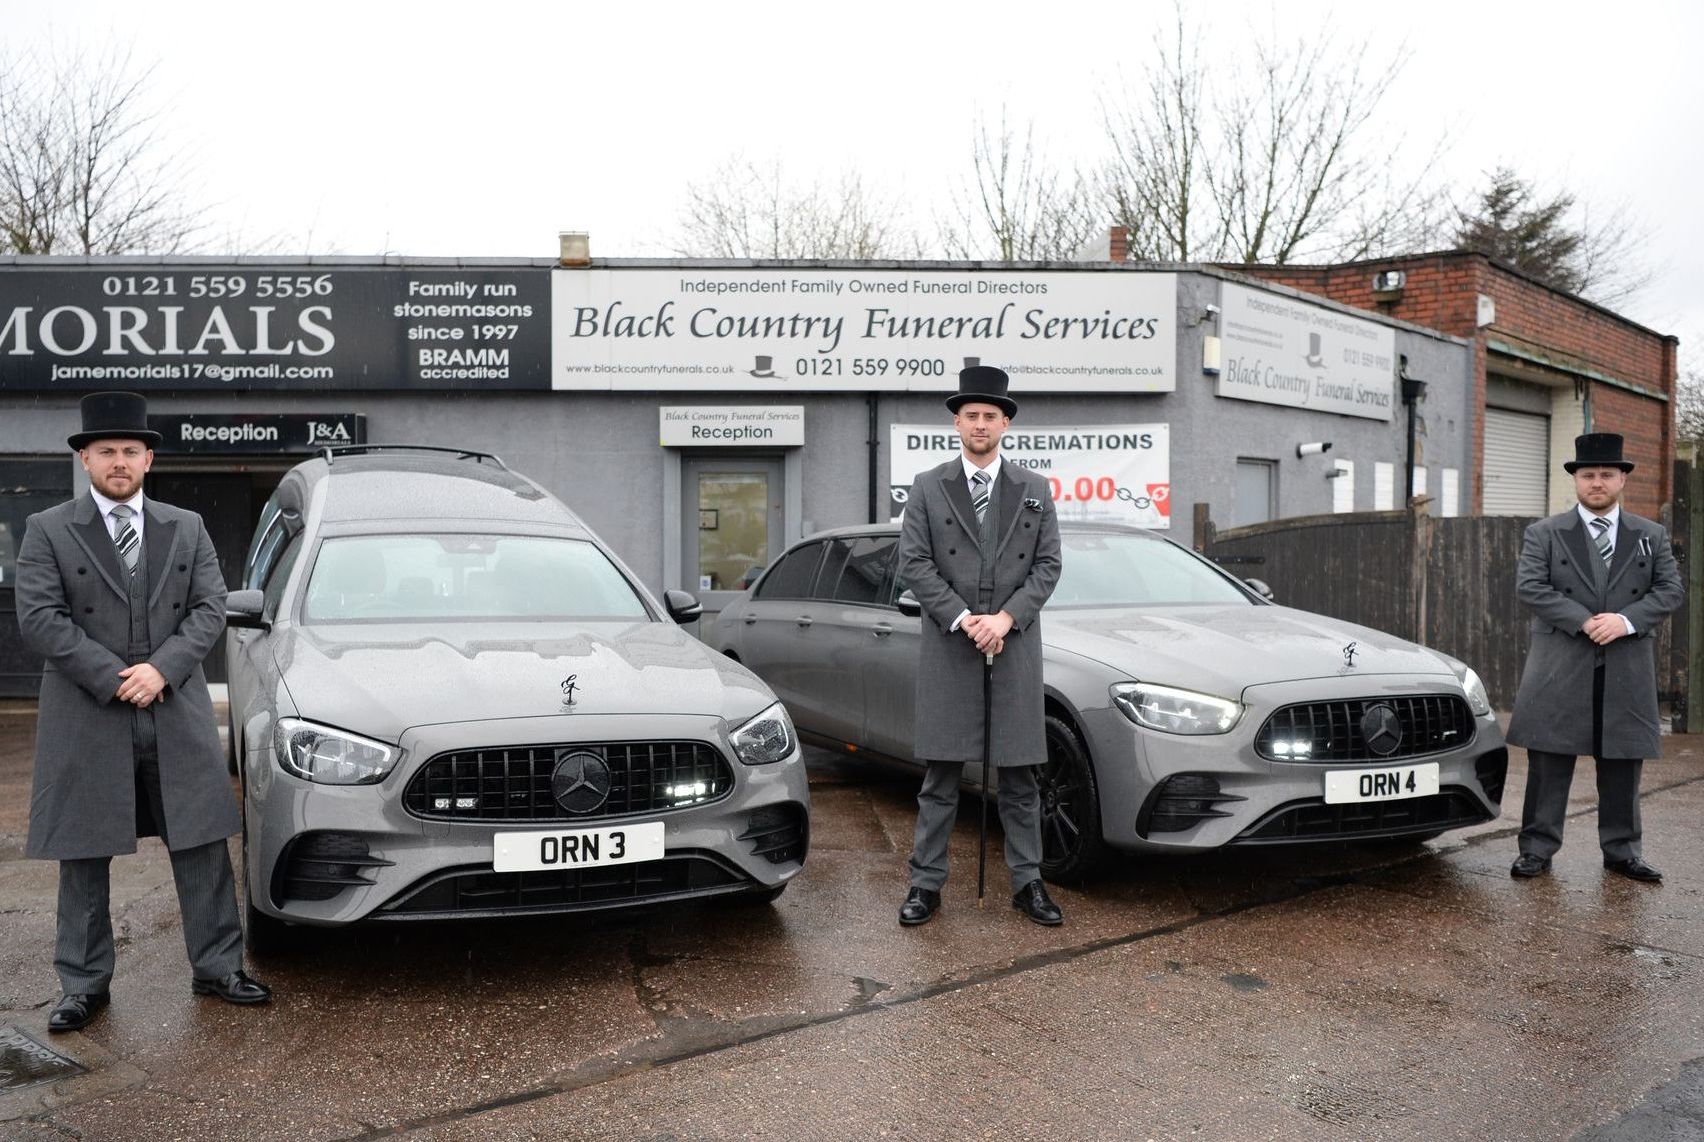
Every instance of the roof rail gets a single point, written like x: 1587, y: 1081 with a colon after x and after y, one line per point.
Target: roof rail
x: 332, y: 452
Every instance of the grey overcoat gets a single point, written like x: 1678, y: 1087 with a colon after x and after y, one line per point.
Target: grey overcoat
x: 1563, y: 582
x: 939, y: 559
x: 73, y: 610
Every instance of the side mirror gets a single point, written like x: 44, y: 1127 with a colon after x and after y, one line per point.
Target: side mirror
x: 245, y: 609
x: 908, y: 604
x: 1259, y: 587
x: 682, y: 606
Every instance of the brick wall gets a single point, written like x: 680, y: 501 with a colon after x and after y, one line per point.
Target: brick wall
x: 1572, y: 335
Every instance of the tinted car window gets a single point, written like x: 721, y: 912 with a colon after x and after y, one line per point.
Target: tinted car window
x: 279, y: 574
x: 1127, y: 570
x: 403, y: 578
x: 791, y: 577
x: 862, y: 573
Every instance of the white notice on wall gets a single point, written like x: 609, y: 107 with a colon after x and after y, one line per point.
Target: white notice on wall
x: 732, y: 426
x: 1113, y: 473
x: 1449, y: 492
x: 1419, y: 480
x: 1343, y: 487
x: 1280, y: 350
x: 1384, y: 487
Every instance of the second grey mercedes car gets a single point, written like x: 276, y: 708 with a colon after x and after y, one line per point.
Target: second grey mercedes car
x: 1183, y: 709
x: 449, y: 699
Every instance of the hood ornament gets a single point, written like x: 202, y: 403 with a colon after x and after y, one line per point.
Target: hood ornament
x: 1349, y: 655
x: 569, y: 685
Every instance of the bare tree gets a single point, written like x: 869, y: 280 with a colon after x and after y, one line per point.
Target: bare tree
x: 745, y: 210
x: 1689, y: 407
x: 1283, y: 164
x: 1019, y: 206
x: 1554, y: 239
x: 83, y: 168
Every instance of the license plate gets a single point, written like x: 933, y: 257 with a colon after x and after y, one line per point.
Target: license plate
x: 1343, y: 786
x: 577, y: 848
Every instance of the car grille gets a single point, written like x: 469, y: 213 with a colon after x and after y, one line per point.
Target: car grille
x: 1331, y: 731
x: 514, y: 783
x: 481, y: 892
x: 1314, y: 820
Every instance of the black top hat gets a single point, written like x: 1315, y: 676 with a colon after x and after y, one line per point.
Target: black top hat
x: 984, y: 384
x: 1598, y: 450
x: 114, y: 416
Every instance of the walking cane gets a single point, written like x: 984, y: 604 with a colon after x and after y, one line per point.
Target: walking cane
x: 987, y: 735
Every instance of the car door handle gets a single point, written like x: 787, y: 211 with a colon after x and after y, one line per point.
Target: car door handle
x: 805, y: 620
x: 749, y: 619
x: 882, y: 630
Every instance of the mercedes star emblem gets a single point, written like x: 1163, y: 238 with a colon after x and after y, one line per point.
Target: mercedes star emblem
x: 581, y: 781
x: 1381, y: 729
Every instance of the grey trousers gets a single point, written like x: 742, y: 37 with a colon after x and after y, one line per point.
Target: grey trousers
x: 83, y: 953
x: 937, y: 809
x: 1546, y: 806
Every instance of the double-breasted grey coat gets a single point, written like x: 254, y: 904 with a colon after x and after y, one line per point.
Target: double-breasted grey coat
x: 1563, y: 581
x: 74, y: 610
x: 939, y: 562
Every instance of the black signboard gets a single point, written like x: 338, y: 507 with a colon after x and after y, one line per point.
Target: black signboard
x: 301, y: 328
x: 227, y: 434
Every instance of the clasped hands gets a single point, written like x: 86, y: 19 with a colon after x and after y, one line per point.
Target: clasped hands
x: 1602, y: 629
x: 142, y: 685
x: 988, y: 632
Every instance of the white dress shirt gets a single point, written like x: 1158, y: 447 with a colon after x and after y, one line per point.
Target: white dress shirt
x: 134, y: 503
x: 1613, y: 515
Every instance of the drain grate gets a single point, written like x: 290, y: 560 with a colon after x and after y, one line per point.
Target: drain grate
x: 25, y: 1062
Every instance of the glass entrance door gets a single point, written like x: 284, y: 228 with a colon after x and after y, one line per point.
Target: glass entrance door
x: 731, y: 513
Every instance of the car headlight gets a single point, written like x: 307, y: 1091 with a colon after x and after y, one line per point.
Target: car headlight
x: 1175, y: 711
x: 1477, y: 699
x: 766, y: 738
x: 331, y: 757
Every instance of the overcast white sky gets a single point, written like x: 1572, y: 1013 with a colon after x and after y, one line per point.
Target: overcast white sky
x: 475, y: 129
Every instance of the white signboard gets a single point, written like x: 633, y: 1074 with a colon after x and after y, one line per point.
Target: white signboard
x: 882, y: 330
x: 1111, y: 473
x: 1282, y: 351
x: 728, y: 426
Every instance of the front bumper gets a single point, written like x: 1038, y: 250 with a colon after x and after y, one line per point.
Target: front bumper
x: 330, y: 855
x: 1148, y: 780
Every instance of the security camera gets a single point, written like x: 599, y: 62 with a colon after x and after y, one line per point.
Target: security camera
x: 1312, y: 449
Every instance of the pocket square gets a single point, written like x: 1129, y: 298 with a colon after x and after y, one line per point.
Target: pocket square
x: 1645, y: 545
x: 1033, y: 504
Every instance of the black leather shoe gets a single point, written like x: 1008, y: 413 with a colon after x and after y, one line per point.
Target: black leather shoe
x: 1527, y: 865
x: 920, y: 905
x: 75, y: 1011
x: 1634, y: 869
x: 234, y: 988
x: 1032, y: 900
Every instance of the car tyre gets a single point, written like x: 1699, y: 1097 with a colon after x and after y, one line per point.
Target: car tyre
x: 1071, y: 843
x: 230, y: 740
x: 263, y: 935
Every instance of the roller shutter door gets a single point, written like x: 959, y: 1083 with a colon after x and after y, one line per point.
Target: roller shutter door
x: 1517, y: 463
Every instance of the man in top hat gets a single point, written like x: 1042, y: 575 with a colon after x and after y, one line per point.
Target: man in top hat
x: 122, y: 595
x: 979, y: 549
x: 1599, y: 581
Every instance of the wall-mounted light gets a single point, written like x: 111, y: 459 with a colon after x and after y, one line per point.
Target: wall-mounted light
x: 1389, y: 281
x: 1315, y: 449
x: 576, y: 248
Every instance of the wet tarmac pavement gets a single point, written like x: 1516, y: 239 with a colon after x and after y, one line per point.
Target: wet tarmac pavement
x: 1354, y: 992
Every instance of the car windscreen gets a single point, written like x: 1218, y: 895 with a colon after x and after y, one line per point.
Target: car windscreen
x: 1109, y: 570
x: 426, y: 578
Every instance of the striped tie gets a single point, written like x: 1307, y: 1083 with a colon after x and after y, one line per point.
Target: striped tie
x: 1601, y: 527
x: 979, y: 495
x: 125, y: 538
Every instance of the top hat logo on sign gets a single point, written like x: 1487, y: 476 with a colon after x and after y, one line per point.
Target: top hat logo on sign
x: 765, y: 368
x: 1314, y: 357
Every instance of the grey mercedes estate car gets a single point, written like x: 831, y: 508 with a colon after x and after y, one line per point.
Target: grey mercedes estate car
x: 1184, y: 710
x: 449, y: 699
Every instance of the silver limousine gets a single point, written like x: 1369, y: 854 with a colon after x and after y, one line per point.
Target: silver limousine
x: 1184, y: 710
x: 450, y: 699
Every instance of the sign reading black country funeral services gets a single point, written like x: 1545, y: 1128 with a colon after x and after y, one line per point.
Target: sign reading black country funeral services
x: 892, y: 330
x: 298, y: 327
